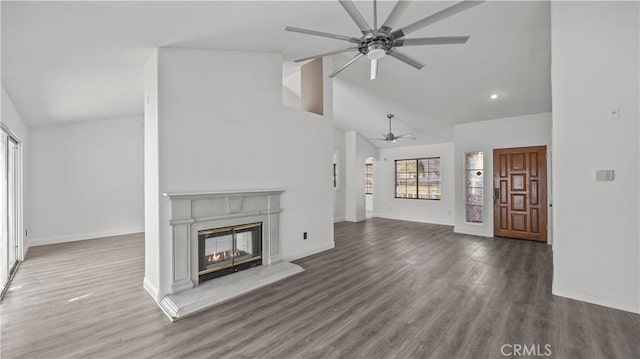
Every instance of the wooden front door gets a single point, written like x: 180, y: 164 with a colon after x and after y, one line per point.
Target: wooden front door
x: 520, y: 193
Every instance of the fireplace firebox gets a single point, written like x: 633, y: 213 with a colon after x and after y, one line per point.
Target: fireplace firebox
x: 227, y: 250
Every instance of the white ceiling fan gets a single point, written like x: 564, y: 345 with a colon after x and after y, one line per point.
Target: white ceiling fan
x: 390, y: 137
x: 376, y: 42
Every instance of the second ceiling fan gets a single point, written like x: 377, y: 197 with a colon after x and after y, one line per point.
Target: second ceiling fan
x: 376, y: 42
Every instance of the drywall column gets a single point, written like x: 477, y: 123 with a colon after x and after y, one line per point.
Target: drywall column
x: 357, y: 150
x: 595, y: 57
x: 339, y: 190
x: 351, y: 187
x: 151, y: 281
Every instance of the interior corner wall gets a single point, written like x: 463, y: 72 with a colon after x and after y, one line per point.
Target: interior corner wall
x: 595, y: 60
x: 357, y: 150
x: 339, y: 191
x: 222, y: 126
x: 14, y: 122
x: 385, y: 205
x: 85, y: 180
x: 152, y: 194
x: 485, y: 136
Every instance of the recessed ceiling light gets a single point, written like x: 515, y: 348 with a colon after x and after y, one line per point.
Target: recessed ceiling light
x: 495, y: 95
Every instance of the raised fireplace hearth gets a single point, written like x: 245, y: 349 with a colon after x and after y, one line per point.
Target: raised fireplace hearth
x: 226, y: 250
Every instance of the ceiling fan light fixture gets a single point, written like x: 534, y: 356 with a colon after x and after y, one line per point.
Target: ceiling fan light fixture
x: 376, y: 52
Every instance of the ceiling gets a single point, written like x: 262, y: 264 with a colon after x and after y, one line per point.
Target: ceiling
x: 72, y: 61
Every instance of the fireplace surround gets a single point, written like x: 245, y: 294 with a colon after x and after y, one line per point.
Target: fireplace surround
x: 200, y: 211
x: 229, y: 231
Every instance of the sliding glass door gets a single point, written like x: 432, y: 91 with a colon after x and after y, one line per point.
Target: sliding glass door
x: 9, y: 176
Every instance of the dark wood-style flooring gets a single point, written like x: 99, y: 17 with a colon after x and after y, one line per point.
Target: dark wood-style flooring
x: 390, y: 289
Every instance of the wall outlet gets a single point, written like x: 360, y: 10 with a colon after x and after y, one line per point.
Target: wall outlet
x: 304, y: 235
x: 614, y: 113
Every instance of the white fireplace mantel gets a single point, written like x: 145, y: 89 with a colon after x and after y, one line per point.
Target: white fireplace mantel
x: 195, y: 211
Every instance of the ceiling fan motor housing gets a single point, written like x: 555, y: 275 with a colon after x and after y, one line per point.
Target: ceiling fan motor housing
x: 375, y: 47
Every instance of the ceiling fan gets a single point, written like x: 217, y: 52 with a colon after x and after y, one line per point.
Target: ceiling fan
x: 376, y: 42
x: 390, y: 137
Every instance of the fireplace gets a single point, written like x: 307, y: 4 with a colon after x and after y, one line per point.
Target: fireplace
x: 227, y: 250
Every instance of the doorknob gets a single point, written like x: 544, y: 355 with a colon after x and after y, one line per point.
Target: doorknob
x: 496, y: 194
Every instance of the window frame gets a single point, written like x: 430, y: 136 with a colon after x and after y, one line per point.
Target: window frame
x: 467, y: 189
x: 368, y: 173
x: 395, y: 179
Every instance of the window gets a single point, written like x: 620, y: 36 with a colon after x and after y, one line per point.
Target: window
x: 368, y: 178
x: 474, y: 186
x: 418, y: 178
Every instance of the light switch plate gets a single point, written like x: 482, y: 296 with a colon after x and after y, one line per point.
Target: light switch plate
x: 604, y: 175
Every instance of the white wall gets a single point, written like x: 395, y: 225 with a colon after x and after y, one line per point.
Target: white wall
x: 521, y: 131
x: 152, y: 195
x: 85, y: 180
x: 222, y: 126
x: 338, y: 193
x: 357, y: 150
x: 13, y: 121
x: 595, y: 61
x: 429, y: 211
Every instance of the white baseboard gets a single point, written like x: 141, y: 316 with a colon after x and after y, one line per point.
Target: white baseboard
x: 400, y: 218
x: 595, y: 299
x: 359, y: 219
x: 459, y: 230
x: 336, y: 220
x: 80, y: 237
x: 25, y: 249
x: 309, y: 251
x: 151, y: 289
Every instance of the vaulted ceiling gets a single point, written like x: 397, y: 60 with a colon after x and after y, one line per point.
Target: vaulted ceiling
x: 72, y: 61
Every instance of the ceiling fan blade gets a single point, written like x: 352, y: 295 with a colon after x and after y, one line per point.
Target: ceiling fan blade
x: 326, y: 54
x: 440, y: 15
x: 376, y: 139
x: 356, y: 58
x: 432, y: 41
x: 405, y: 58
x: 374, y: 69
x: 394, y: 15
x: 406, y: 135
x: 322, y: 34
x: 405, y: 138
x: 357, y: 17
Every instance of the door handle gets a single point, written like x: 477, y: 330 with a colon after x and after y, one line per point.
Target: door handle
x: 496, y: 194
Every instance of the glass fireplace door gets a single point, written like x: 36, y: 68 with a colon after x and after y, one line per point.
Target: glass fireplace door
x: 229, y: 249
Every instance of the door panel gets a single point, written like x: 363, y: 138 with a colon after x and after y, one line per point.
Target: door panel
x: 520, y: 184
x: 8, y: 207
